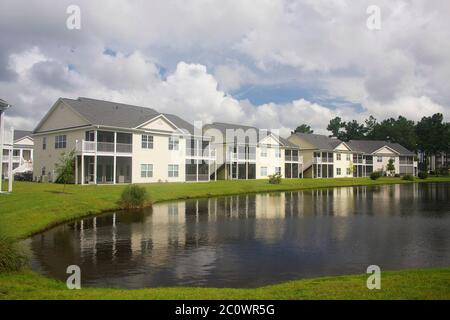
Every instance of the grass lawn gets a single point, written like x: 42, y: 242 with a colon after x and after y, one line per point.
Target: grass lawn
x: 406, y: 284
x: 34, y: 207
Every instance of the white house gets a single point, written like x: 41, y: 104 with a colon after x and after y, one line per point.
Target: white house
x: 120, y: 143
x: 21, y: 148
x: 327, y: 157
x: 245, y: 152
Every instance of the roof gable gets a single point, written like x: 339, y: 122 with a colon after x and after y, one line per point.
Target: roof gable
x: 159, y: 123
x: 61, y: 116
x: 385, y: 150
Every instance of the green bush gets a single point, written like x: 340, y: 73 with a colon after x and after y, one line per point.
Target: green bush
x: 12, y: 257
x: 423, y: 175
x: 134, y: 196
x: 376, y: 175
x: 275, y: 178
x: 408, y: 177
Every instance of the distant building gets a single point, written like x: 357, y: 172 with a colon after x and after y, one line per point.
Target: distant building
x: 22, y: 153
x: 326, y: 157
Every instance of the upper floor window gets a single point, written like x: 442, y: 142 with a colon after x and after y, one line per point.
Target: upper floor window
x: 60, y: 142
x: 263, y: 152
x: 348, y: 156
x: 174, y: 143
x: 173, y: 170
x: 44, y: 143
x: 277, y: 153
x: 147, y: 141
x: 379, y: 159
x: 338, y: 156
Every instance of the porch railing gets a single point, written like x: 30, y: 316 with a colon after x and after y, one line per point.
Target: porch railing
x: 92, y: 146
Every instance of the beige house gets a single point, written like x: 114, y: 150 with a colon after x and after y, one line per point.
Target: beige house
x: 119, y: 143
x: 326, y: 157
x: 21, y: 150
x: 245, y: 152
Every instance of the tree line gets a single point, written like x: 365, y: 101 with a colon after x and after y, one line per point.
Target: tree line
x: 430, y: 135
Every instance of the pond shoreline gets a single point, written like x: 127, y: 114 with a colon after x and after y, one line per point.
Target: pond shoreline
x: 320, y: 184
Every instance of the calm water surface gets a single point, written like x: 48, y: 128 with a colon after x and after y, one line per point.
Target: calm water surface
x: 253, y: 240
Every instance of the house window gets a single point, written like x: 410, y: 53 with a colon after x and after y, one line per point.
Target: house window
x: 60, y: 142
x: 348, y: 156
x: 173, y: 143
x: 264, y: 171
x: 146, y: 170
x: 173, y: 170
x: 147, y: 141
x: 338, y: 171
x: 348, y: 171
x: 379, y: 159
x: 277, y: 170
x: 263, y: 152
x: 338, y: 156
x: 277, y: 153
x: 44, y: 143
x: 43, y: 171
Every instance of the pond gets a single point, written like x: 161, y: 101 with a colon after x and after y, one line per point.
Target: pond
x: 254, y: 240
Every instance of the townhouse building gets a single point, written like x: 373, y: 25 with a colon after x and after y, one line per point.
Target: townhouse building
x: 119, y: 143
x: 245, y: 152
x: 20, y: 148
x: 328, y: 157
x: 3, y: 107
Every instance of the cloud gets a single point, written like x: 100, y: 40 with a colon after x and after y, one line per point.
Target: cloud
x: 189, y: 59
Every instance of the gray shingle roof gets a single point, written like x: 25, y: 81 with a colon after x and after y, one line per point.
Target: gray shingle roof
x: 113, y: 114
x: 3, y: 105
x: 223, y: 127
x: 320, y: 142
x: 370, y: 146
x: 19, y: 134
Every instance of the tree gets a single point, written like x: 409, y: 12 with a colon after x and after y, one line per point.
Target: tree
x: 335, y: 127
x: 304, y: 128
x: 370, y: 124
x: 64, y: 168
x: 391, y: 167
x: 433, y: 135
x: 400, y: 130
x: 353, y: 131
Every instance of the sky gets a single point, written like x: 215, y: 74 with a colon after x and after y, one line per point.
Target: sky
x: 271, y: 64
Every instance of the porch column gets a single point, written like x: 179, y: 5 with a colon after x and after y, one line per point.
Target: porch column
x: 82, y: 169
x: 76, y: 169
x: 114, y: 170
x: 95, y: 158
x: 115, y: 158
x: 215, y: 175
x: 10, y: 165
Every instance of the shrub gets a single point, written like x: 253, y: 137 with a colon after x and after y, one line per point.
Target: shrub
x: 12, y: 257
x: 397, y: 175
x: 134, y: 196
x: 408, y: 177
x: 423, y: 175
x: 376, y: 175
x: 24, y: 176
x: 275, y: 178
